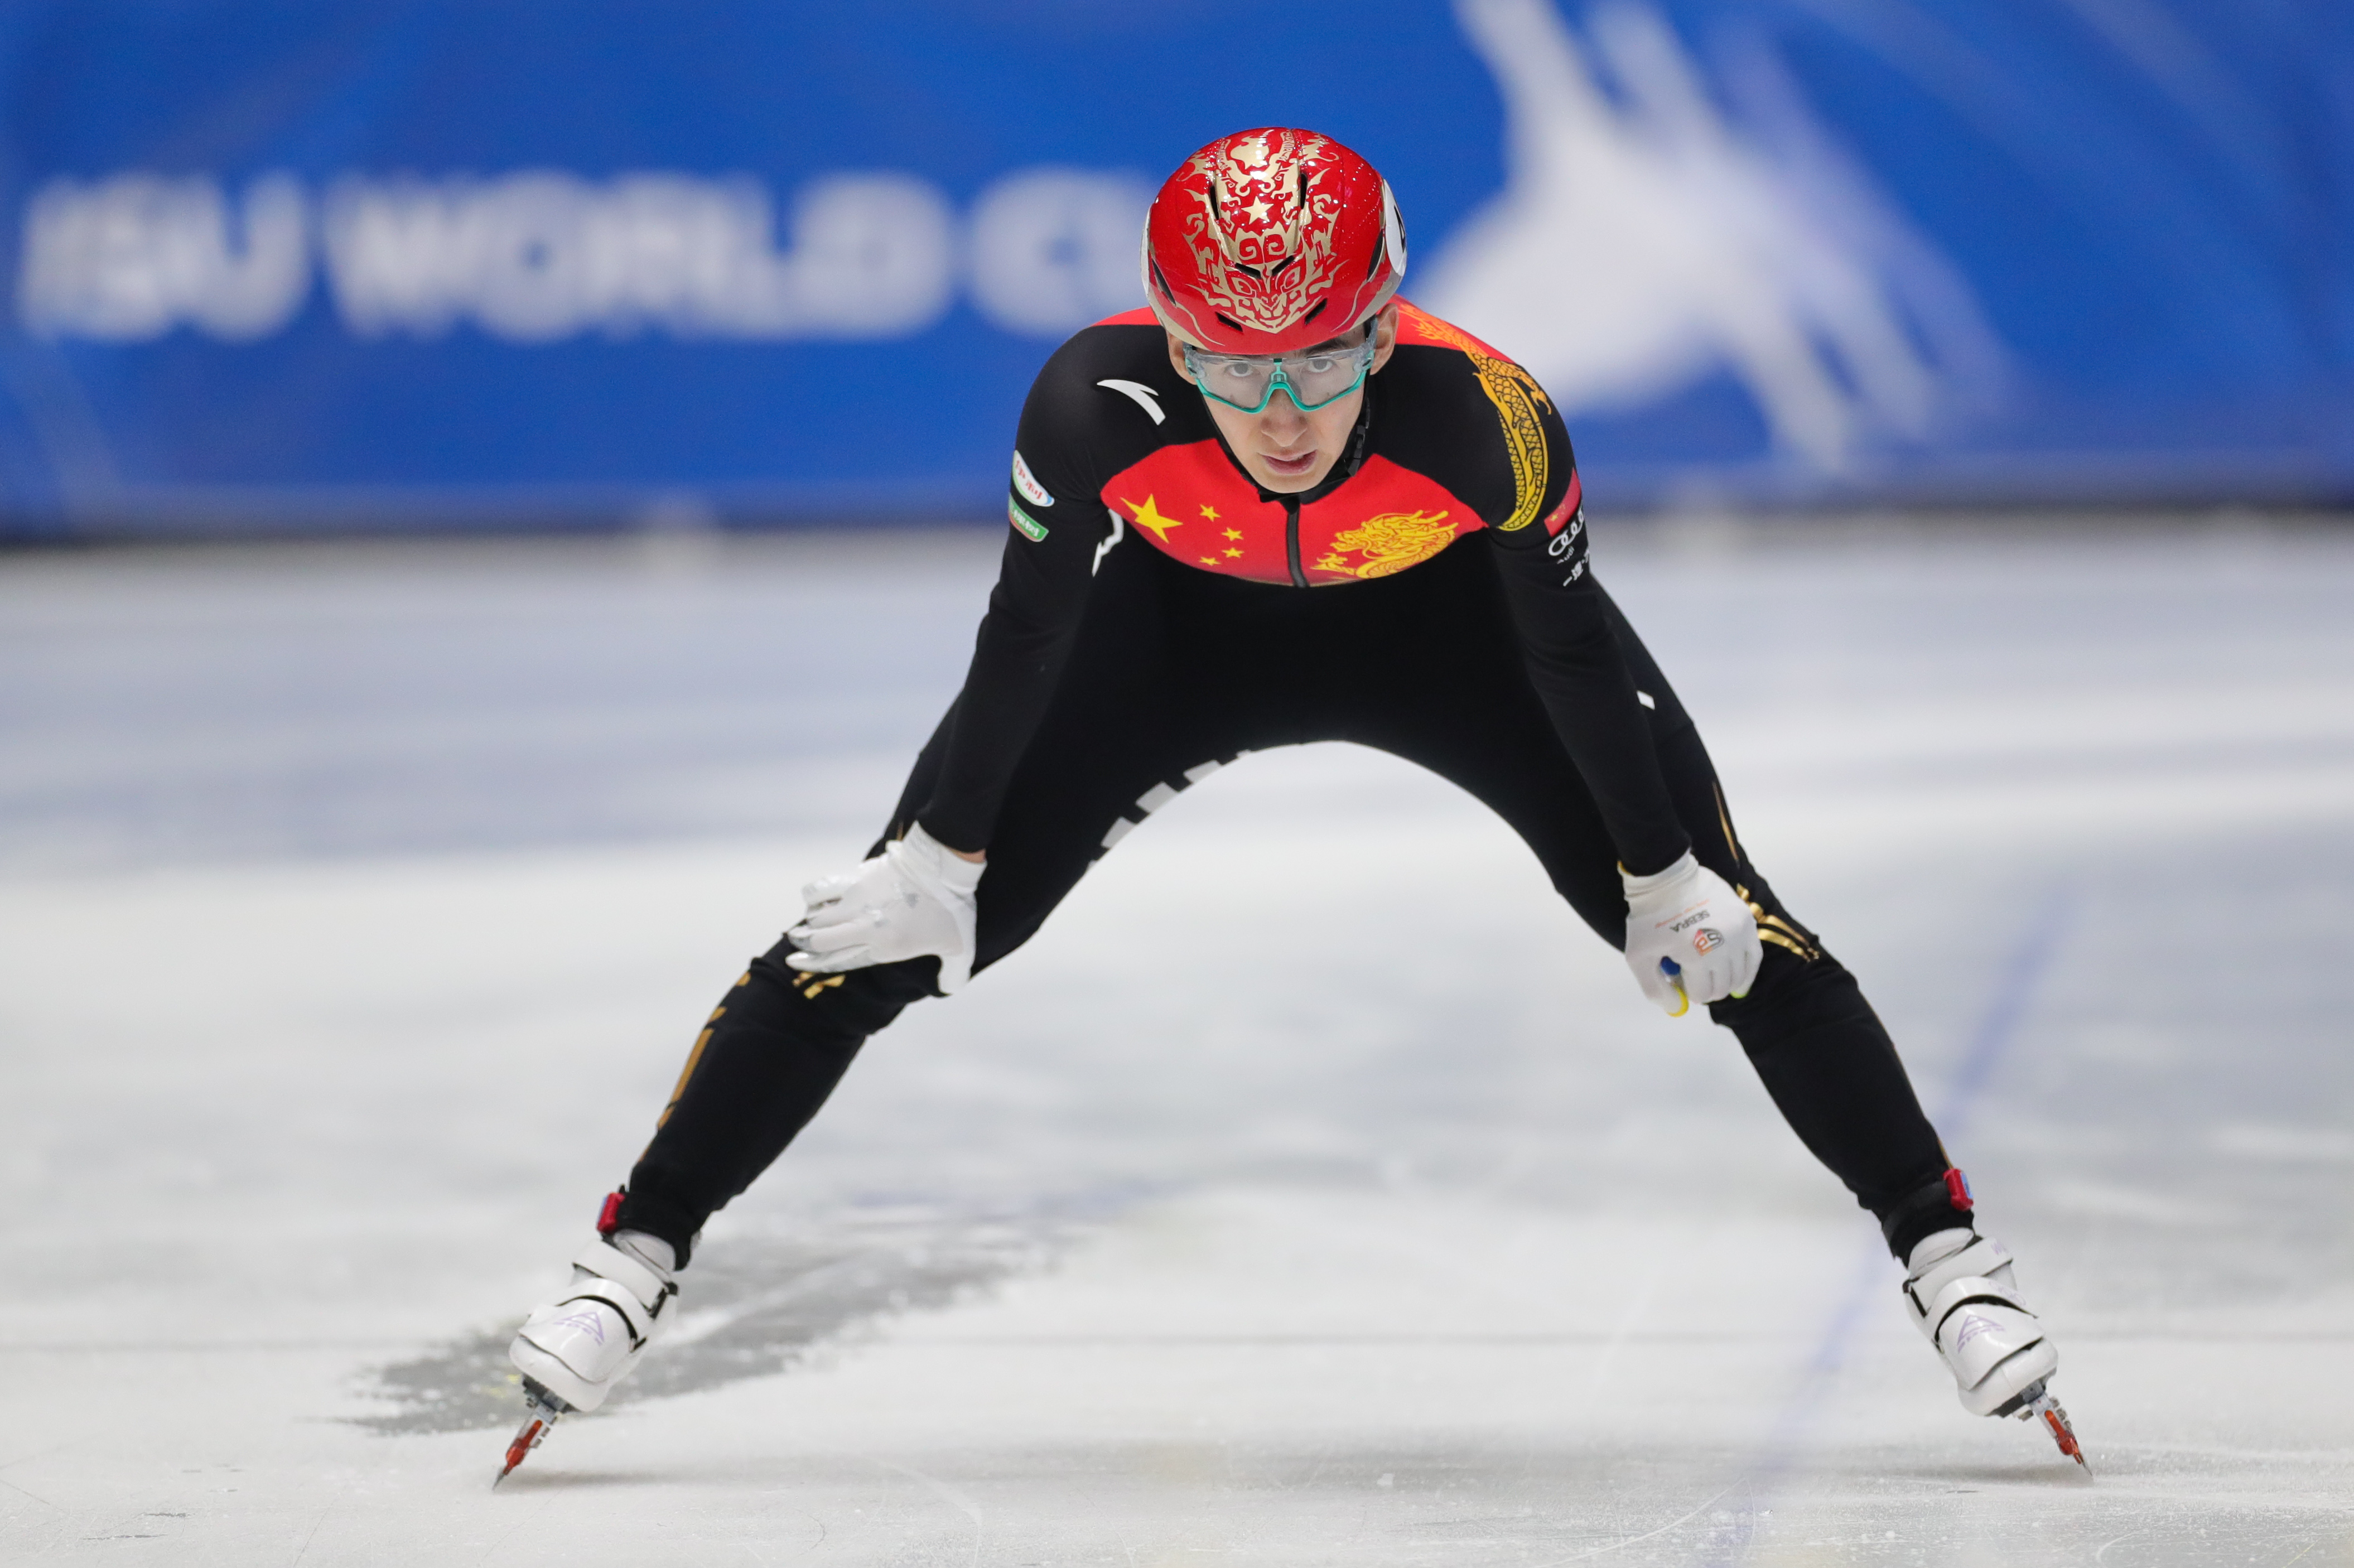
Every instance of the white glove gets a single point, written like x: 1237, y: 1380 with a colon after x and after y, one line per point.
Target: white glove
x: 912, y: 901
x: 1689, y: 937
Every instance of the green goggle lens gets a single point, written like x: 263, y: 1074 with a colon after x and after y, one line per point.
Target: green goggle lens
x: 1311, y: 377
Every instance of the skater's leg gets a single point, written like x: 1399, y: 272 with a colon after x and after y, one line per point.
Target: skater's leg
x: 1824, y: 1057
x: 1826, y: 1060
x: 766, y: 1060
x: 1125, y: 732
x: 1821, y: 1052
x: 779, y: 1041
x: 1448, y: 693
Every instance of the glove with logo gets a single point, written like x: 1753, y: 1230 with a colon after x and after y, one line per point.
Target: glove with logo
x: 1689, y: 937
x: 914, y: 900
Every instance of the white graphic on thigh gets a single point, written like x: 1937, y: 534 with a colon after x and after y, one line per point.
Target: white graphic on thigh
x: 1160, y: 795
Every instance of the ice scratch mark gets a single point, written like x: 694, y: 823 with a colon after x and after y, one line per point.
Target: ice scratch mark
x: 315, y: 1523
x: 509, y: 1533
x: 947, y: 1493
x: 35, y: 1496
x: 1698, y: 1508
x: 26, y: 1459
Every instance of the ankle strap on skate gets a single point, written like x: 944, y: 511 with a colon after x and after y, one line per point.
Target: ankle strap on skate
x: 1942, y: 1204
x: 1976, y: 1273
x: 626, y: 1285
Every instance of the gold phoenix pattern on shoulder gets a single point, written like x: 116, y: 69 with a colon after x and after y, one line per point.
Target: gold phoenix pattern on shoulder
x: 1389, y: 543
x: 1517, y: 398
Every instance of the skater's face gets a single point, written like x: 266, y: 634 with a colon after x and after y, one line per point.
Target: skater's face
x: 1286, y: 450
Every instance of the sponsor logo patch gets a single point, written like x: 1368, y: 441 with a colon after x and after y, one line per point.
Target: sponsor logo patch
x: 1571, y: 501
x: 1568, y: 548
x: 1029, y: 526
x: 1028, y: 483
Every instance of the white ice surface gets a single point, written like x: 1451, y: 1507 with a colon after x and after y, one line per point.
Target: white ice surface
x: 1313, y: 1190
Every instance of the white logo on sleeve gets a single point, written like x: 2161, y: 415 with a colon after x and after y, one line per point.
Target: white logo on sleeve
x: 1146, y: 398
x: 1028, y: 483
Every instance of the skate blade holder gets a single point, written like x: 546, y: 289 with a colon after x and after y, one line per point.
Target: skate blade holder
x: 2035, y: 1403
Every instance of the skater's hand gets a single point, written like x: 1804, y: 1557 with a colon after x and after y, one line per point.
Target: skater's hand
x: 914, y: 900
x: 1689, y: 937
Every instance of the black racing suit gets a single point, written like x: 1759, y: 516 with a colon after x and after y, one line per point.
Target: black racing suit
x: 1158, y: 615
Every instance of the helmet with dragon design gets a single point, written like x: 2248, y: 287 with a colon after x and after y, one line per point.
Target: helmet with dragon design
x: 1270, y: 240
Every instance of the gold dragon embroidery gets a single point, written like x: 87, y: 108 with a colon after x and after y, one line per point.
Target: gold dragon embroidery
x: 1517, y: 398
x: 1389, y: 543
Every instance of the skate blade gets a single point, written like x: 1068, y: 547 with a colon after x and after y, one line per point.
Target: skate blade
x: 526, y: 1439
x: 2055, y: 1421
x: 543, y: 1409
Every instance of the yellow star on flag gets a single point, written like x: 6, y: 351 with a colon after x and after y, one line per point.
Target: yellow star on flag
x: 1211, y: 514
x: 1150, y: 516
x: 1232, y: 552
x: 1231, y: 532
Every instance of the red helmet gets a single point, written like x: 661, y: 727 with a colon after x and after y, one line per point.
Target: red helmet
x: 1269, y: 240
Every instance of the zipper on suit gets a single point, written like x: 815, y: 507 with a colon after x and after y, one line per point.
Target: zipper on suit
x: 1291, y: 542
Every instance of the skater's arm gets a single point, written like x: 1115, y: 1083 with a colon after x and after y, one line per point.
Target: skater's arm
x: 1453, y: 409
x: 1579, y: 670
x: 1575, y: 662
x: 1017, y: 659
x: 1051, y: 554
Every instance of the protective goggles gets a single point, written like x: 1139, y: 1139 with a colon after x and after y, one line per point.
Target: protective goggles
x: 1310, y: 377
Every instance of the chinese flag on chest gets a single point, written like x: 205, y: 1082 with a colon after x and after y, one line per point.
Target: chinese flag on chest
x: 1194, y: 505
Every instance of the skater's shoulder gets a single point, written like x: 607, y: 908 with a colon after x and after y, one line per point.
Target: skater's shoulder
x: 1439, y: 370
x: 1126, y: 351
x: 1451, y: 407
x: 1108, y: 398
x: 1418, y: 328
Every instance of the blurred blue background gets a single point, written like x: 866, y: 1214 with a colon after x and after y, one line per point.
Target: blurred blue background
x: 319, y: 266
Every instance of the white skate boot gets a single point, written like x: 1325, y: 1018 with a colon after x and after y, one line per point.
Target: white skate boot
x: 1959, y: 1289
x: 575, y: 1350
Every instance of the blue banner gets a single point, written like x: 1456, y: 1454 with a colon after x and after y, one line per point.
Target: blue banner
x: 325, y: 264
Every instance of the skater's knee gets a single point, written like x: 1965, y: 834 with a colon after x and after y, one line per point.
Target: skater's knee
x: 1794, y: 995
x: 840, y: 1009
